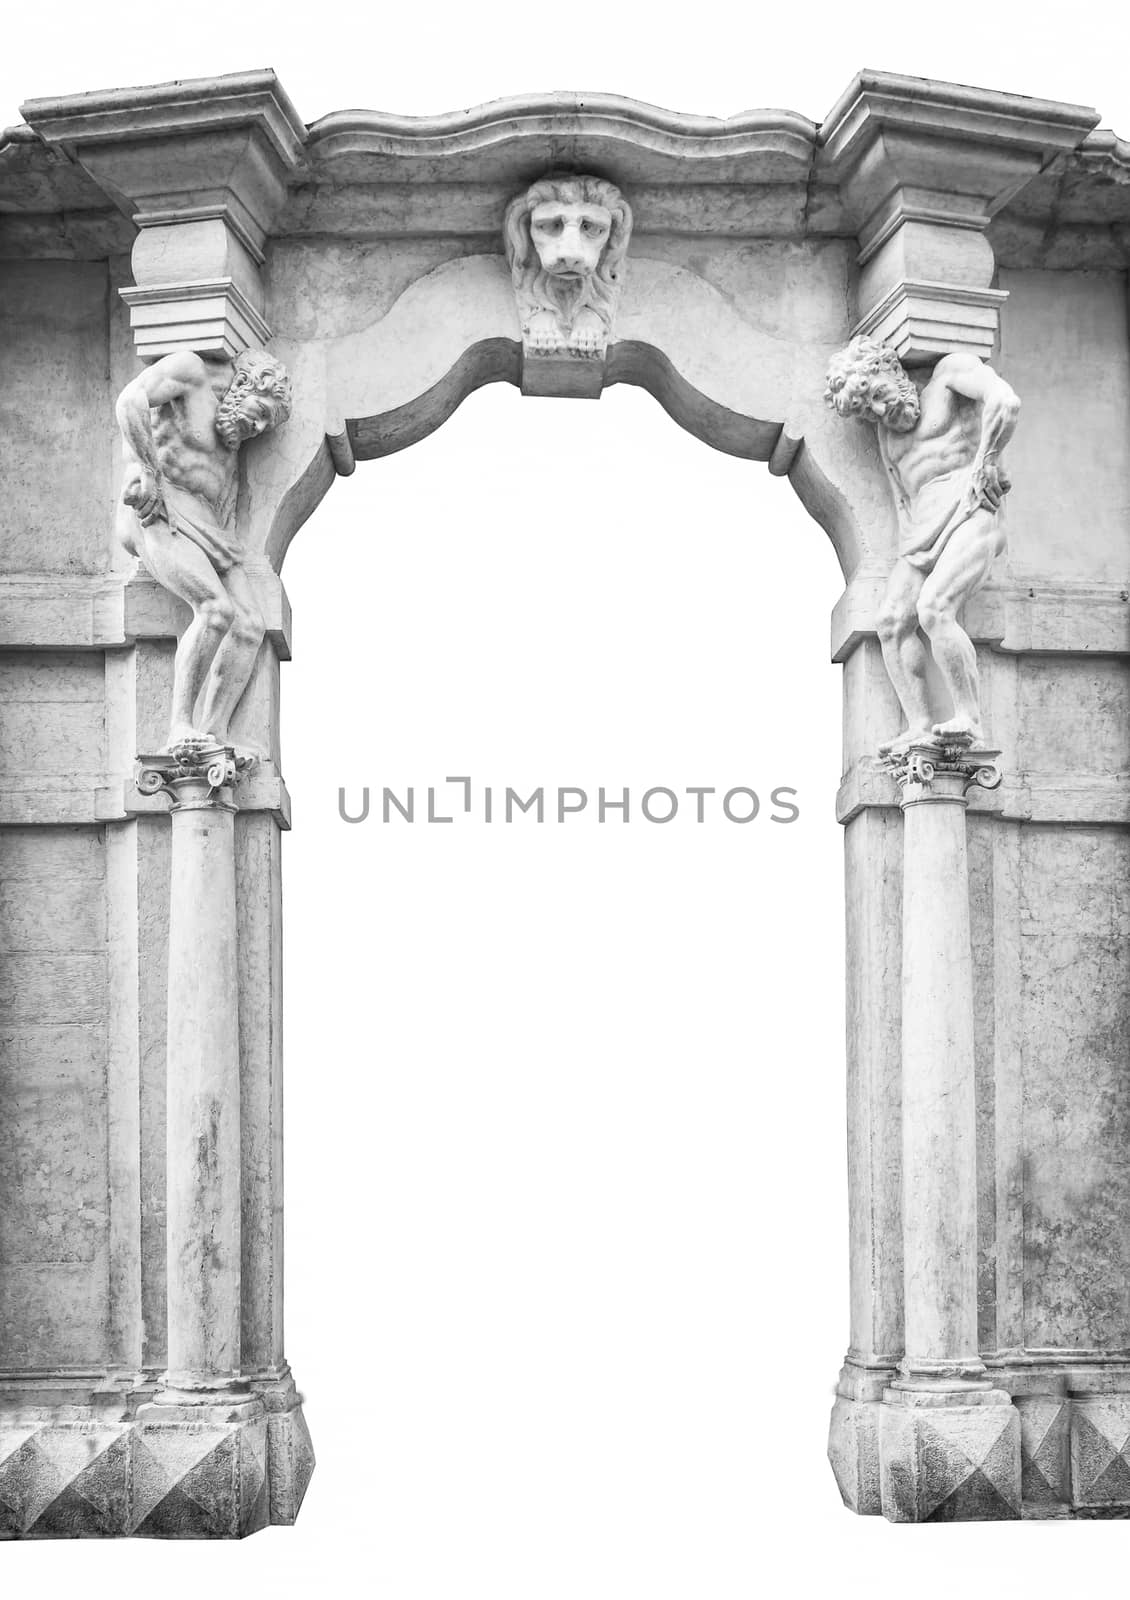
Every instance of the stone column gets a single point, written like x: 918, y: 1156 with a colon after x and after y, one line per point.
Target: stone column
x: 202, y: 1105
x: 205, y: 1429
x: 949, y: 1441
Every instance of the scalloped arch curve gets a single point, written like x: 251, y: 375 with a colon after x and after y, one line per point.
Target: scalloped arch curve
x: 737, y: 382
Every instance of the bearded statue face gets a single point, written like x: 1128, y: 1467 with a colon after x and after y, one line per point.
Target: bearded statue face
x: 867, y: 380
x: 259, y: 398
x: 570, y: 237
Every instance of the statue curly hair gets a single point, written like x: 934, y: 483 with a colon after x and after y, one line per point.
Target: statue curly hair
x: 257, y: 373
x: 855, y: 372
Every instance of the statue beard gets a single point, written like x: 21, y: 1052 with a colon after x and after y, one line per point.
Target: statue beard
x: 228, y: 419
x: 566, y: 296
x: 906, y: 408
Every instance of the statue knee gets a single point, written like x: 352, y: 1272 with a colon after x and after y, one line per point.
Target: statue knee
x: 894, y: 623
x: 248, y: 627
x: 932, y: 616
x: 217, y: 614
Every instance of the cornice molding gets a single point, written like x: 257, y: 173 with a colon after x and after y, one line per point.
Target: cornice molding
x: 162, y: 110
x: 530, y: 120
x: 953, y: 110
x: 780, y: 170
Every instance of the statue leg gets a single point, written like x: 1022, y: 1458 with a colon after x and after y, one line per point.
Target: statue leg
x: 185, y: 570
x: 960, y: 571
x: 904, y: 654
x: 235, y: 657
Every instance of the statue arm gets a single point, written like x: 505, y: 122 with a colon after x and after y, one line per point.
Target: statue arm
x: 1000, y: 408
x: 171, y: 378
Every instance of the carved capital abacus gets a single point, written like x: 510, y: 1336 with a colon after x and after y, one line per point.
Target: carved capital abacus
x: 194, y: 774
x: 944, y: 770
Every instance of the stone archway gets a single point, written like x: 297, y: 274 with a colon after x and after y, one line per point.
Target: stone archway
x: 367, y: 252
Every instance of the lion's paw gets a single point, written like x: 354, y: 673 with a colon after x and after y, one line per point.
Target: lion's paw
x: 587, y: 337
x: 589, y: 345
x: 543, y: 338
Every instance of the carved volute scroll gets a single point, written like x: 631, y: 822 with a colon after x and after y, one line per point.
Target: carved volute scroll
x: 566, y: 242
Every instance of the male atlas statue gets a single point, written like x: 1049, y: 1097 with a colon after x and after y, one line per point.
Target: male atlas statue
x: 183, y: 421
x: 941, y: 448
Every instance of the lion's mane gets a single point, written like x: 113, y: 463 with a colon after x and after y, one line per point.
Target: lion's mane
x: 536, y: 289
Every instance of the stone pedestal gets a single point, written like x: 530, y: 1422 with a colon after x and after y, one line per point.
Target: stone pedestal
x: 943, y: 1460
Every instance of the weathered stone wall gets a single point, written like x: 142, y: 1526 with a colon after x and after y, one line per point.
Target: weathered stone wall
x: 54, y: 1165
x: 1066, y: 352
x: 56, y: 416
x: 54, y: 1176
x: 1074, y: 995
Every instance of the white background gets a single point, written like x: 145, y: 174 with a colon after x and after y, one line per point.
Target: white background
x: 566, y: 1223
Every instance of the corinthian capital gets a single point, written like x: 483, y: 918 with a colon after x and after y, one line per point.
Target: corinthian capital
x: 193, y: 773
x: 941, y: 770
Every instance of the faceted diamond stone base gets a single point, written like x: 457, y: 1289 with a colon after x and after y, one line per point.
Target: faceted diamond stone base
x: 853, y: 1450
x: 938, y: 1463
x: 290, y: 1458
x: 1045, y: 1461
x: 192, y: 1472
x: 197, y: 1479
x: 1100, y: 1455
x: 950, y: 1463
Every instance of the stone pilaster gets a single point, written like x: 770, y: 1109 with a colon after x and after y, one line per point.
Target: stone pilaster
x: 922, y: 168
x: 201, y: 168
x: 949, y: 1442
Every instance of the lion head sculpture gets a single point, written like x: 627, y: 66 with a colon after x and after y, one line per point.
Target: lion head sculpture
x: 566, y: 241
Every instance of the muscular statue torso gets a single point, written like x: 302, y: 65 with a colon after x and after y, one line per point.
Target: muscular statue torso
x: 183, y: 421
x: 191, y: 455
x: 941, y: 448
x: 945, y: 440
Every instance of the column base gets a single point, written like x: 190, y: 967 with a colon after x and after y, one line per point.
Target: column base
x: 198, y: 1471
x: 1100, y: 1455
x: 951, y: 1459
x: 853, y: 1436
x: 290, y: 1453
x: 159, y: 1471
x: 853, y: 1450
x: 917, y: 1457
x: 1045, y: 1454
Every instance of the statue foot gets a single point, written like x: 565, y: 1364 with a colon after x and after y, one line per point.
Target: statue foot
x: 184, y: 733
x: 904, y: 741
x: 959, y: 730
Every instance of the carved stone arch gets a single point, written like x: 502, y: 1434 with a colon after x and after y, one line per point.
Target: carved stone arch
x: 742, y: 388
x: 987, y: 1006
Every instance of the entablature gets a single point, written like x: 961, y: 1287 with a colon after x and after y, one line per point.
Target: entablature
x: 79, y: 159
